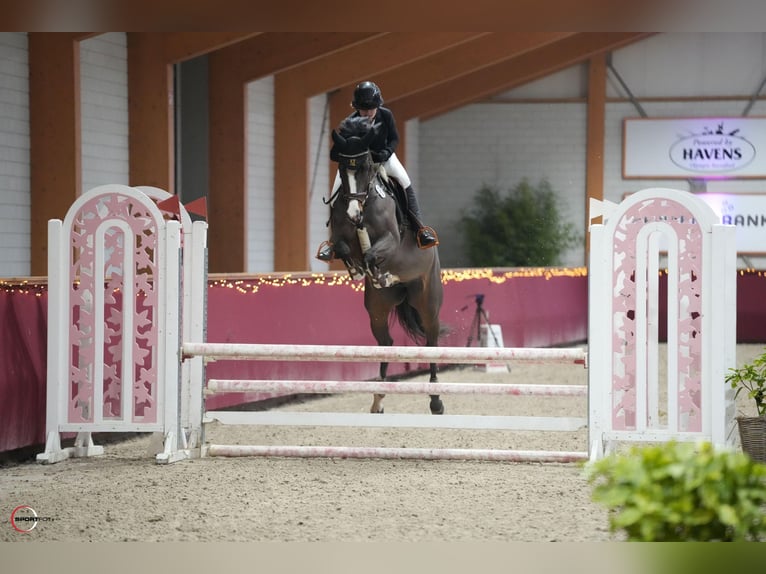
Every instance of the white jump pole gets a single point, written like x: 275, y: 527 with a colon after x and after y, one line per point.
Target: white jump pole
x: 445, y: 355
x: 396, y: 453
x: 390, y: 387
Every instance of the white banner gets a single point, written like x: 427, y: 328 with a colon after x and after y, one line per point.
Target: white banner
x: 747, y: 211
x: 699, y: 148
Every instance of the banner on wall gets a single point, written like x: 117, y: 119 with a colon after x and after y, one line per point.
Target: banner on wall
x: 699, y: 148
x: 746, y: 211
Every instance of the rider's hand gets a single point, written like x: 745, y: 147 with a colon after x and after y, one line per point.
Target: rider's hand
x: 380, y: 156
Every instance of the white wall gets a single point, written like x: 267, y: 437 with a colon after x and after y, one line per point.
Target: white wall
x: 259, y: 198
x: 498, y: 145
x: 14, y: 156
x: 502, y: 142
x: 319, y: 177
x: 104, y: 110
x: 104, y: 117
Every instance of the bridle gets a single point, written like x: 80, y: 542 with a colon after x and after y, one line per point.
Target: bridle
x: 353, y: 163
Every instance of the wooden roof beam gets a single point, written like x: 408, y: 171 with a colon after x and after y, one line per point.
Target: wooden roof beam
x: 273, y: 52
x: 462, y: 59
x: 179, y: 46
x: 525, y: 68
x: 370, y: 59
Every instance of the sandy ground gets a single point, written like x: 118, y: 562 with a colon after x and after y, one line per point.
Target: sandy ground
x: 125, y: 496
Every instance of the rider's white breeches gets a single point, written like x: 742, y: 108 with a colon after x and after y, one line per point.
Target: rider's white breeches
x: 393, y: 167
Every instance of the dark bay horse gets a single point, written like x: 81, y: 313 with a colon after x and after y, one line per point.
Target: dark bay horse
x: 373, y: 238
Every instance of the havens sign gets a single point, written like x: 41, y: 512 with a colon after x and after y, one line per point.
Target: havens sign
x: 682, y: 148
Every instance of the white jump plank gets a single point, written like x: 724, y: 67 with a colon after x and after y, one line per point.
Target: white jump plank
x: 481, y: 422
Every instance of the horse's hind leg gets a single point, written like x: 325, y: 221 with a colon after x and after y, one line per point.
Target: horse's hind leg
x: 436, y: 405
x: 428, y: 302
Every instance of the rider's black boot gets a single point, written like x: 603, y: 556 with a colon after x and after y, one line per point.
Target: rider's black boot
x: 426, y: 236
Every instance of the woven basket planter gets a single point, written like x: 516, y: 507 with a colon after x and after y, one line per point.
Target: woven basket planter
x: 752, y: 433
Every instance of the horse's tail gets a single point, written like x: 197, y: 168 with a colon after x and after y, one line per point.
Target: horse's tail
x: 410, y: 321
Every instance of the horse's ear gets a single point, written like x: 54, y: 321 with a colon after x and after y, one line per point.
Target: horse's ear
x: 338, y: 139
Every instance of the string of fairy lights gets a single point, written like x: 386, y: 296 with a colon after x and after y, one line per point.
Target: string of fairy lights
x: 253, y: 283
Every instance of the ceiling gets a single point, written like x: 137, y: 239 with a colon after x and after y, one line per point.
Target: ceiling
x: 422, y: 75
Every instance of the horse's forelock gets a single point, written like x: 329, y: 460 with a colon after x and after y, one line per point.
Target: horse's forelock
x: 355, y: 126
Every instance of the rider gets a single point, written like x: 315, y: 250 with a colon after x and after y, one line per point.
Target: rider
x: 368, y: 102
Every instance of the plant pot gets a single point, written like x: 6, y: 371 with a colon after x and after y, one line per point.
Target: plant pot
x: 752, y: 433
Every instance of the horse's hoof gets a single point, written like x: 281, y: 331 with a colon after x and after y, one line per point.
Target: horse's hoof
x: 385, y: 280
x: 355, y: 273
x: 380, y: 412
x: 437, y: 407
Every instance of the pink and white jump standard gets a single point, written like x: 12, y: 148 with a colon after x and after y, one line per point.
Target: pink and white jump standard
x: 119, y: 304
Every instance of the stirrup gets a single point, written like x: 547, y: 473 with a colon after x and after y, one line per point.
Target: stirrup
x: 426, y: 237
x: 325, y: 252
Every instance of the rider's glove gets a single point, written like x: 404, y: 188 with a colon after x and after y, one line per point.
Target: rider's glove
x: 380, y: 156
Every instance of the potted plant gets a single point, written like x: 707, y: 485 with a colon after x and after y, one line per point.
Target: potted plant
x: 751, y: 377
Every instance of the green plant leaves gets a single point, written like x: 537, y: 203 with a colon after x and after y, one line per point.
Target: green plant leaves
x: 752, y: 378
x: 522, y: 228
x: 682, y: 492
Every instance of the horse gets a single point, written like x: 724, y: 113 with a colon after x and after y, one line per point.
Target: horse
x: 372, y: 235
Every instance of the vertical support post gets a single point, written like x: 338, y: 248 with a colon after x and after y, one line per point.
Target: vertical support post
x: 599, y: 331
x: 193, y: 384
x: 169, y: 363
x: 58, y: 335
x: 722, y: 350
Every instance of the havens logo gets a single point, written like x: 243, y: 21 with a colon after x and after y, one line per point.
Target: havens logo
x: 712, y: 151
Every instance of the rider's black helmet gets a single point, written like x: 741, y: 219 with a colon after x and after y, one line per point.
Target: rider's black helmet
x: 367, y: 96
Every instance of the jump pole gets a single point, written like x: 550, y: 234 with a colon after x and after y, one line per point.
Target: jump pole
x: 213, y: 351
x: 396, y: 453
x: 390, y: 388
x: 445, y: 355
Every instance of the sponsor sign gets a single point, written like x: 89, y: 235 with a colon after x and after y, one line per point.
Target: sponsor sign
x: 694, y: 148
x: 747, y: 212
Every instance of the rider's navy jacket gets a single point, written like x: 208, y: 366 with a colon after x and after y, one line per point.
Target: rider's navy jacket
x: 387, y: 138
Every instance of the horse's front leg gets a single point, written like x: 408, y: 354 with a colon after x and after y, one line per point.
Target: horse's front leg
x: 343, y: 252
x: 378, y: 260
x: 378, y: 308
x: 377, y: 398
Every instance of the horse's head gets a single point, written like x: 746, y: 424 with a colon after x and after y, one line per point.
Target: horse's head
x: 352, y: 142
